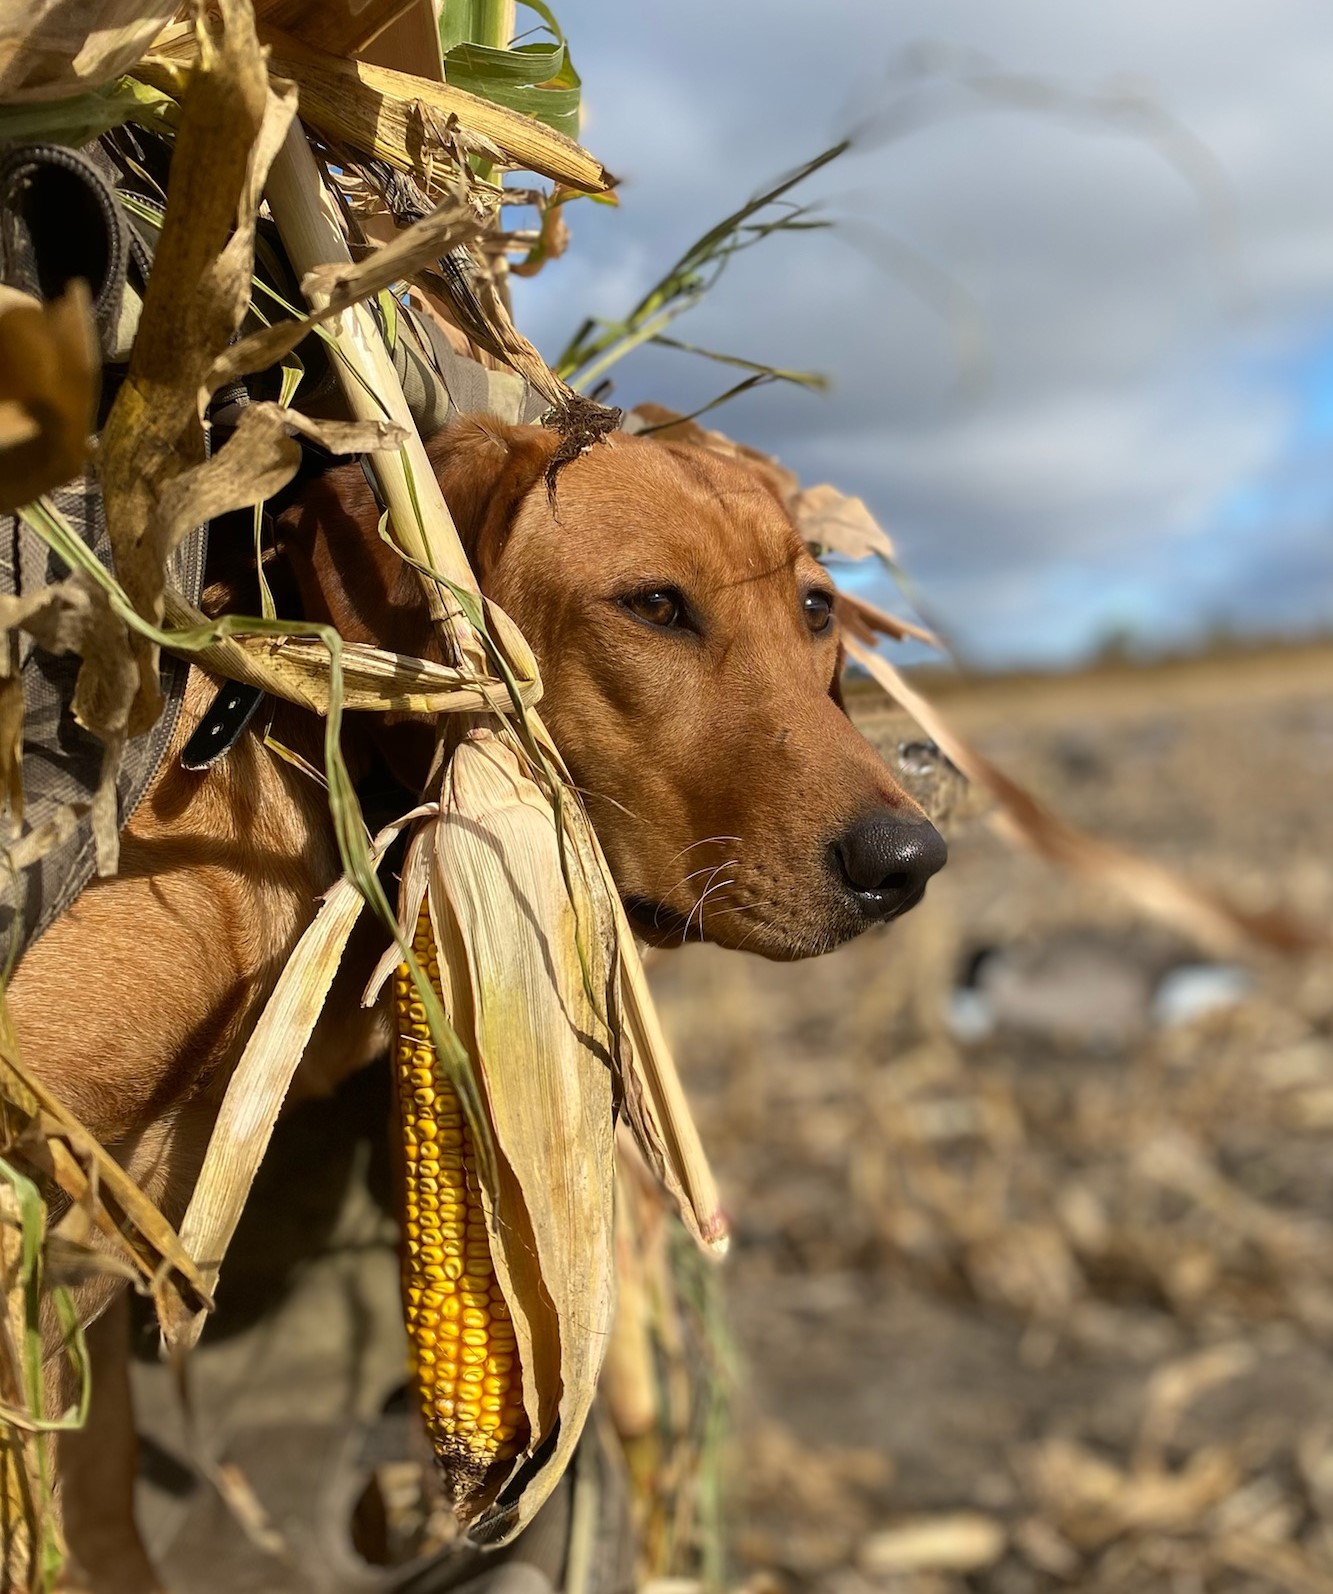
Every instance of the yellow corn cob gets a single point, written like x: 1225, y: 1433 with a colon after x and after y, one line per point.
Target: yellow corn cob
x: 462, y: 1337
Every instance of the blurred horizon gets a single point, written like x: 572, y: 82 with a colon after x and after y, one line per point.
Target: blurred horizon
x: 1109, y: 425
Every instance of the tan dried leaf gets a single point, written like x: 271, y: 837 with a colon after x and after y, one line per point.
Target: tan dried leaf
x: 231, y: 126
x: 261, y: 456
x: 49, y: 375
x: 50, y: 49
x: 831, y: 521
x: 338, y: 285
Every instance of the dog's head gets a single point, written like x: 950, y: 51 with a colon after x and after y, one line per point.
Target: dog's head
x: 689, y: 647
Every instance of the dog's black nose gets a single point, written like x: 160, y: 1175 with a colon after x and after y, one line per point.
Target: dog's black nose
x: 885, y: 861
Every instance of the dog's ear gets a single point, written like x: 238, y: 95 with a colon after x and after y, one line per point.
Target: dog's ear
x: 486, y: 469
x: 328, y: 538
x: 329, y: 535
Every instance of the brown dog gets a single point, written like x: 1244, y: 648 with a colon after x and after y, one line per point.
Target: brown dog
x: 689, y: 648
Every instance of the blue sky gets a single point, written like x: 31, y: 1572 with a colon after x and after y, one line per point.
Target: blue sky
x: 1150, y: 447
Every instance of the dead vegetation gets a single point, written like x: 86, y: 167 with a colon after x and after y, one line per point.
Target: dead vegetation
x: 1038, y: 1301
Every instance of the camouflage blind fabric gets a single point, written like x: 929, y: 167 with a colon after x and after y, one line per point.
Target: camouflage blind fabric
x: 62, y: 762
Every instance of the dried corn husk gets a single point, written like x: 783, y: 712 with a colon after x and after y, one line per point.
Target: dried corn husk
x: 341, y: 28
x: 527, y: 960
x: 296, y: 668
x: 539, y: 963
x: 255, y: 1094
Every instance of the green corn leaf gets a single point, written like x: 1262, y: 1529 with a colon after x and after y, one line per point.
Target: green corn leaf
x: 83, y: 117
x: 537, y: 79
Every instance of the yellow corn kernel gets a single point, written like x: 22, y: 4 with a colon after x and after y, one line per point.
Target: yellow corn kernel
x: 457, y: 1319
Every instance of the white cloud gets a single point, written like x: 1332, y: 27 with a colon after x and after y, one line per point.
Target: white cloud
x: 1136, y: 374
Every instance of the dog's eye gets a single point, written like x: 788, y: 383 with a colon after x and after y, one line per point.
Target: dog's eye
x: 818, y: 609
x: 660, y: 606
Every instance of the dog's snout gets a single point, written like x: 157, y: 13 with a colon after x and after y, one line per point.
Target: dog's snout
x: 886, y: 860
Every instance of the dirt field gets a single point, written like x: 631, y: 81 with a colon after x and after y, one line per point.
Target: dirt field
x: 1026, y: 1254
x: 1032, y: 1284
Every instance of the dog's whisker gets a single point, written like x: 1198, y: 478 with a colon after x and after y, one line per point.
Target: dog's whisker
x: 703, y: 897
x: 606, y: 797
x: 707, y: 841
x: 737, y: 907
x: 721, y: 886
x: 709, y: 869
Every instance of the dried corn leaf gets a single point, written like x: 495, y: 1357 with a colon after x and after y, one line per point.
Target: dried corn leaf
x: 261, y: 456
x: 1203, y: 914
x: 49, y: 373
x: 404, y: 120
x: 46, y: 1134
x: 498, y: 896
x: 865, y: 621
x: 231, y: 125
x: 255, y: 1094
x: 339, y: 285
x: 296, y: 669
x: 50, y: 49
x: 831, y: 521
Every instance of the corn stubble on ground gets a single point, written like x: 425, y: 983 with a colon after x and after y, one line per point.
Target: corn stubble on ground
x: 1048, y: 1307
x: 464, y: 1354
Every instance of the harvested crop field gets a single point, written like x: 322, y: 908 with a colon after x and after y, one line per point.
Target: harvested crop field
x: 1035, y: 1208
x: 1032, y: 1282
